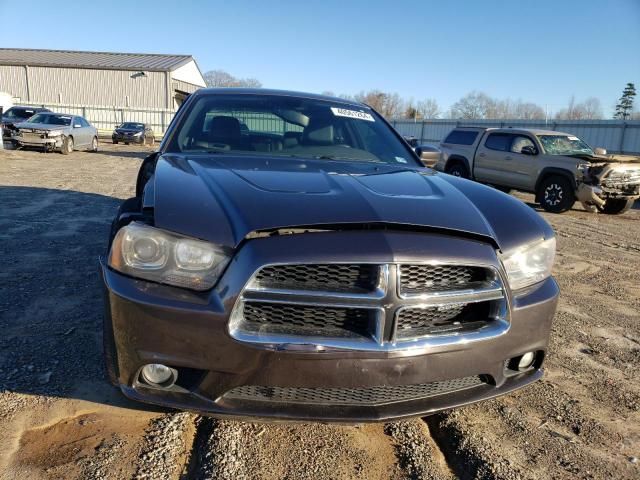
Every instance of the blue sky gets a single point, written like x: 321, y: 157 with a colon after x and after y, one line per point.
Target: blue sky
x: 543, y: 51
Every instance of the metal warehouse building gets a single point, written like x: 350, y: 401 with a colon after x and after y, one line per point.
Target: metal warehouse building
x: 107, y: 88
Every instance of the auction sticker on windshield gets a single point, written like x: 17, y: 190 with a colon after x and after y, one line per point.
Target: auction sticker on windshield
x: 343, y: 112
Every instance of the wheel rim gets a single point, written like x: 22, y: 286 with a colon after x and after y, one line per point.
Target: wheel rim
x: 553, y: 194
x: 94, y: 144
x: 456, y: 171
x: 70, y: 144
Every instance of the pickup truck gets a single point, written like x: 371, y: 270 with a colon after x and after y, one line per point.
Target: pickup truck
x: 559, y: 168
x: 311, y: 268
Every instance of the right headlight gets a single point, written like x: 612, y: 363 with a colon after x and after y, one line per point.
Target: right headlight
x: 530, y: 263
x: 153, y: 254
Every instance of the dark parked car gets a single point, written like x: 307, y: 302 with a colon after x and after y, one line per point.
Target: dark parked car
x: 133, y: 132
x: 313, y: 269
x: 15, y: 115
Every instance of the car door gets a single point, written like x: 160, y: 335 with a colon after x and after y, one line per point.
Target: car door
x: 491, y: 164
x: 522, y: 165
x: 79, y: 132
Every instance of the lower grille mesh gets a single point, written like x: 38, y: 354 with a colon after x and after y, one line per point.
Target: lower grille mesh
x: 302, y: 320
x: 352, y: 396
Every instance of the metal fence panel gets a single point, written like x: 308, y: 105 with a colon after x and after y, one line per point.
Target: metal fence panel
x: 105, y: 119
x: 617, y: 136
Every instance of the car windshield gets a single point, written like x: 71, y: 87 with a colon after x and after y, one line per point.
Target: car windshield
x: 564, y: 145
x: 278, y: 125
x: 133, y: 126
x: 19, y: 113
x: 51, y: 119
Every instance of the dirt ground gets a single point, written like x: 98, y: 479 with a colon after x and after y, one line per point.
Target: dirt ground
x: 60, y: 419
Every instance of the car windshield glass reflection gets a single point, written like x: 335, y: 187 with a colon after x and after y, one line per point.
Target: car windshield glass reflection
x: 49, y: 119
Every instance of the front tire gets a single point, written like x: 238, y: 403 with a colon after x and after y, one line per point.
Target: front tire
x: 556, y: 194
x: 67, y: 146
x: 115, y: 142
x: 616, y: 206
x: 457, y: 169
x: 94, y: 144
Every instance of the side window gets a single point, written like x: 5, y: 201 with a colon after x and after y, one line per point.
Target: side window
x: 519, y: 142
x: 498, y: 141
x: 461, y: 137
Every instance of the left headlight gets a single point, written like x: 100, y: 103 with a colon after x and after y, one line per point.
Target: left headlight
x: 54, y: 133
x: 153, y: 254
x: 530, y: 264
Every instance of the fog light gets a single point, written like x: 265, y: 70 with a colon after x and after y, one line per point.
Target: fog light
x: 156, y: 373
x: 526, y: 361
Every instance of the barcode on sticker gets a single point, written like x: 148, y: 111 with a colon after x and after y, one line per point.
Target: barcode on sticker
x: 343, y: 112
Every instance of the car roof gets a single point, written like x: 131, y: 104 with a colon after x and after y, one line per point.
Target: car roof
x: 282, y: 93
x: 25, y: 107
x: 530, y: 131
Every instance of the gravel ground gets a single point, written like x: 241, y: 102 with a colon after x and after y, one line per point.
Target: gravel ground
x: 59, y: 418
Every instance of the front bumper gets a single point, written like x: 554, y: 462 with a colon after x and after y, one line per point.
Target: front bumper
x: 126, y: 138
x: 49, y: 143
x: 150, y: 323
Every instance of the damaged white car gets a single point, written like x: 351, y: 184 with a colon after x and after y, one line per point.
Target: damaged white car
x: 56, y: 132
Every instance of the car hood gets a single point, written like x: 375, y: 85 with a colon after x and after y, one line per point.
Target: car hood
x: 223, y: 199
x: 40, y: 126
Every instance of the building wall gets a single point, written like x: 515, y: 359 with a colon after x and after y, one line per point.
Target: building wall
x: 13, y: 80
x: 189, y: 73
x: 85, y: 86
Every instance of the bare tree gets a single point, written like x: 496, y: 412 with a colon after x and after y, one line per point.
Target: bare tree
x: 588, y: 110
x: 428, y: 108
x: 473, y: 105
x: 389, y: 105
x: 528, y: 111
x: 220, y: 78
x: 592, y: 108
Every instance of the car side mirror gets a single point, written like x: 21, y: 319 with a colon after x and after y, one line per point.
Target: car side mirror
x: 600, y: 151
x: 529, y: 150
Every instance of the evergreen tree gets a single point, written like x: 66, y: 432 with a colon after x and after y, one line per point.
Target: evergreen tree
x: 625, y: 104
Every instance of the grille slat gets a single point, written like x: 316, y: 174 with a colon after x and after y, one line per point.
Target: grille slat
x: 328, y: 278
x: 303, y: 320
x: 352, y: 396
x: 417, y: 279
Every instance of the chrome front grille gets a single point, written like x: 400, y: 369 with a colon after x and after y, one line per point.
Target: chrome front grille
x: 329, y: 277
x: 369, y: 307
x: 376, y: 395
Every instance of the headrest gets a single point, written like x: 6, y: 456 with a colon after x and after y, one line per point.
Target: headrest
x: 223, y: 127
x: 319, y: 132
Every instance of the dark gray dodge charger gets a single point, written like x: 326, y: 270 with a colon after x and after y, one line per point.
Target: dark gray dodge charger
x: 288, y: 257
